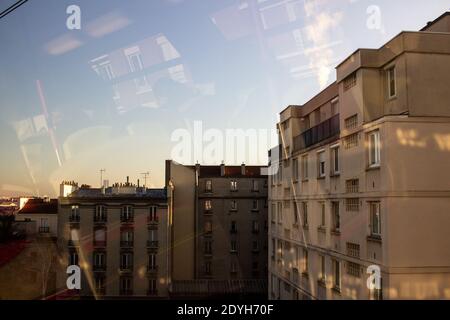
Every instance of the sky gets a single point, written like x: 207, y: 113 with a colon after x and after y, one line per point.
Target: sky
x: 118, y: 92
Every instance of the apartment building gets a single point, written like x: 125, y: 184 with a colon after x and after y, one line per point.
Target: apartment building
x: 41, y: 213
x: 117, y: 235
x: 363, y: 180
x: 218, y: 220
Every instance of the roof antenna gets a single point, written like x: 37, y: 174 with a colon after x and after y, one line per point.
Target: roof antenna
x: 145, y: 174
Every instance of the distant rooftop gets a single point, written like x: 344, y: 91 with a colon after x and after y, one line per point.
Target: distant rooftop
x: 119, y: 191
x: 38, y: 205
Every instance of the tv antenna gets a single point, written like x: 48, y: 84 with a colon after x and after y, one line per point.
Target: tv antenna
x: 145, y: 174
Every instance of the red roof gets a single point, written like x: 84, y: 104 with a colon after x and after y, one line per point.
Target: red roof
x: 40, y: 206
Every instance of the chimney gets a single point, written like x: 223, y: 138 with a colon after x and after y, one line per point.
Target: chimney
x: 243, y: 169
x: 128, y: 180
x: 138, y: 183
x: 222, y: 169
x: 197, y: 168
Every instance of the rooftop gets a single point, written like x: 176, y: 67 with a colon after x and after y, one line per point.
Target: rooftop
x: 38, y: 205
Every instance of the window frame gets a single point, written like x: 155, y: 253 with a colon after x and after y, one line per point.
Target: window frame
x: 376, y: 162
x: 389, y: 79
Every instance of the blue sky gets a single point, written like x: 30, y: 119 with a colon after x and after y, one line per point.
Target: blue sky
x: 237, y: 64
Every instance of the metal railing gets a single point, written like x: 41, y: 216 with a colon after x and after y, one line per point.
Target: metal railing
x: 316, y: 134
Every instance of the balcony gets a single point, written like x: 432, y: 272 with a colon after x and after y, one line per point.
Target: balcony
x: 126, y: 268
x: 126, y: 244
x: 100, y: 219
x: 74, y: 218
x: 44, y: 229
x: 126, y: 219
x: 152, y: 269
x: 153, y: 244
x: 152, y: 220
x: 323, y: 131
x: 233, y: 231
x: 152, y: 292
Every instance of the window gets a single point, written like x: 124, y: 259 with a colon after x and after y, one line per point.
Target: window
x: 353, y: 249
x: 74, y: 214
x: 321, y: 164
x: 255, y: 226
x: 322, y: 215
x: 152, y: 288
x: 296, y: 256
x: 105, y: 71
x: 295, y: 169
x: 100, y: 213
x: 233, y: 246
x: 295, y: 213
x: 255, y: 185
x: 151, y: 261
x: 208, y: 227
x: 322, y: 275
x: 74, y: 234
x: 233, y: 185
x: 305, y: 167
x: 208, y: 186
x: 99, y: 259
x: 255, y: 205
x: 280, y: 212
x: 73, y: 258
x: 153, y: 216
x: 374, y: 148
x: 375, y: 220
x: 317, y: 118
x: 334, y: 107
x: 234, y: 205
x: 351, y: 122
x: 100, y: 284
x: 336, y: 275
x: 335, y: 160
x: 135, y: 61
x: 273, y: 249
x: 352, y: 186
x: 208, y: 205
x: 350, y: 81
x: 233, y: 227
x: 352, y: 204
x: 43, y: 227
x: 126, y: 261
x: 335, y: 215
x: 353, y: 269
x: 208, y: 247
x: 305, y: 213
x: 126, y: 238
x: 127, y: 214
x: 392, y: 88
x: 351, y: 141
x: 305, y: 261
x: 273, y: 213
x: 126, y: 285
x: 153, y: 235
x: 307, y: 123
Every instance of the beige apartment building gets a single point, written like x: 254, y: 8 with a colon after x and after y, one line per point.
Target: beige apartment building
x: 118, y: 237
x: 218, y: 227
x: 363, y: 180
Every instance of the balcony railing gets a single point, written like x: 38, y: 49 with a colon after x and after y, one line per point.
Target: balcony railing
x: 100, y: 219
x: 44, y: 229
x: 126, y: 267
x: 152, y: 220
x: 152, y: 268
x: 74, y: 218
x: 126, y: 292
x: 126, y: 218
x: 152, y: 292
x: 152, y: 243
x: 126, y: 244
x: 73, y: 243
x: 325, y: 130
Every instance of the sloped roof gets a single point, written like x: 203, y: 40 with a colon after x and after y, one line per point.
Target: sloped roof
x: 36, y: 206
